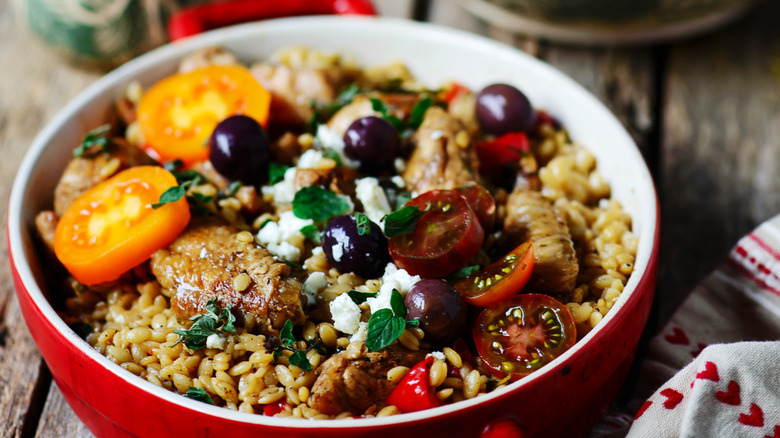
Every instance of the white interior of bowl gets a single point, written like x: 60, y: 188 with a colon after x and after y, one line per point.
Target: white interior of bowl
x: 433, y: 54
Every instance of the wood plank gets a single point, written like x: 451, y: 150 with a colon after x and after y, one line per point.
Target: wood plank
x: 720, y: 145
x: 57, y: 419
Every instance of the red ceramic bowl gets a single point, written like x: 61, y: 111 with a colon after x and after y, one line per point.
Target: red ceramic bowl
x: 565, y: 398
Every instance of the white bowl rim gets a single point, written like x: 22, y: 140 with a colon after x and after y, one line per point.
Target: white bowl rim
x: 426, y: 31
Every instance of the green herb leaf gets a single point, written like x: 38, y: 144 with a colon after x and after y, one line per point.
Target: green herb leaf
x: 173, y: 194
x: 205, y: 325
x: 333, y: 155
x: 198, y: 394
x: 312, y: 233
x: 190, y: 175
x: 347, y: 95
x: 230, y: 320
x: 232, y: 188
x: 363, y: 224
x: 397, y: 303
x: 383, y: 329
x: 173, y: 166
x: 293, y: 265
x: 402, y: 198
x: 403, y: 221
x: 361, y: 297
x: 276, y: 172
x: 413, y: 323
x: 300, y: 360
x: 380, y: 107
x: 461, y: 273
x: 95, y: 137
x: 82, y: 329
x: 317, y: 204
x: 285, y: 335
x: 418, y: 112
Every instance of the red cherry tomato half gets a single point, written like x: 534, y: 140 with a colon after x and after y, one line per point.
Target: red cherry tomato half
x: 518, y: 336
x: 274, y: 408
x: 446, y: 237
x: 505, y: 277
x: 482, y: 202
x: 414, y: 392
x: 506, y: 149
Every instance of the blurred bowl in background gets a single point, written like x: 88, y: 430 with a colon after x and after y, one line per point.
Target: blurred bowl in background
x: 608, y: 22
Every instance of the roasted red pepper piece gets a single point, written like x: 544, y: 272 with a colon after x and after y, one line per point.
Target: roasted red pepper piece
x: 503, y: 150
x: 414, y: 392
x: 274, y: 408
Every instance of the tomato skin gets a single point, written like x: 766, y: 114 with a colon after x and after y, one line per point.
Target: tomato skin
x: 414, y: 392
x: 447, y: 236
x: 505, y: 277
x: 520, y: 335
x: 274, y: 408
x: 178, y: 114
x: 450, y: 93
x: 497, y: 153
x: 482, y: 202
x: 112, y: 227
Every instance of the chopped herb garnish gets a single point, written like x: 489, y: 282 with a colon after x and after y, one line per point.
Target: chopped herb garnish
x: 189, y: 175
x: 173, y: 166
x: 402, y: 198
x: 173, y: 194
x: 322, y: 112
x: 403, y: 221
x: 287, y: 342
x: 95, y: 137
x: 363, y: 224
x: 317, y: 204
x: 418, y: 112
x: 380, y: 107
x: 207, y: 324
x: 276, y: 172
x: 461, y: 273
x: 333, y: 155
x: 299, y: 359
x: 312, y: 233
x: 293, y: 265
x: 361, y: 297
x: 82, y: 329
x: 197, y: 203
x: 198, y: 394
x: 286, y: 335
x: 387, y: 325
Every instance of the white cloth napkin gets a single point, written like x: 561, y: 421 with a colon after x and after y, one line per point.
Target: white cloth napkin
x: 714, y: 369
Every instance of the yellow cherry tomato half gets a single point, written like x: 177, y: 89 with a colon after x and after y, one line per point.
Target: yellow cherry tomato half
x: 112, y: 228
x: 178, y: 114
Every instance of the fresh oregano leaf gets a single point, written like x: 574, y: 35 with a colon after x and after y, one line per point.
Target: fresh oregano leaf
x: 95, y: 137
x: 198, y: 394
x: 413, y: 323
x: 318, y: 204
x: 397, y: 303
x: 461, y: 273
x: 361, y: 297
x: 363, y: 224
x: 380, y: 107
x: 403, y: 221
x: 312, y: 233
x: 383, y: 329
x: 418, y: 112
x: 276, y: 172
x: 285, y: 335
x: 299, y: 359
x: 333, y: 155
x: 173, y: 194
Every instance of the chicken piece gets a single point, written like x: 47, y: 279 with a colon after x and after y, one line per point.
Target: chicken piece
x: 83, y: 173
x: 205, y: 57
x: 208, y: 171
x: 46, y: 224
x: 339, y: 180
x: 463, y: 107
x: 353, y: 381
x: 438, y: 161
x: 529, y: 216
x: 203, y: 263
x: 399, y: 104
x: 293, y: 89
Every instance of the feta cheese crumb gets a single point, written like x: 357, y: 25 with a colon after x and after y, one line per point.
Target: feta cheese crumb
x: 393, y: 278
x: 400, y: 165
x: 346, y: 314
x: 312, y: 287
x: 310, y: 159
x: 283, y: 192
x: 275, y: 235
x: 438, y: 355
x: 331, y: 139
x: 361, y: 334
x: 373, y: 198
x: 217, y: 341
x: 398, y: 181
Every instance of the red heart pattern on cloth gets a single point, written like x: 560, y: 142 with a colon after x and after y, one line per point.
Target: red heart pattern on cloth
x: 679, y: 337
x: 673, y: 398
x: 697, y: 352
x: 755, y: 418
x: 644, y: 407
x: 710, y: 372
x: 731, y: 395
x: 777, y: 432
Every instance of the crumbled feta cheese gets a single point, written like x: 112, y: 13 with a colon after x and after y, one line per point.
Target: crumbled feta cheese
x: 398, y: 181
x: 283, y: 192
x: 331, y: 139
x: 400, y: 165
x: 346, y: 314
x: 437, y: 134
x: 438, y: 355
x: 393, y: 278
x: 312, y: 287
x: 275, y: 235
x: 373, y: 199
x: 217, y: 341
x: 310, y: 159
x: 361, y: 334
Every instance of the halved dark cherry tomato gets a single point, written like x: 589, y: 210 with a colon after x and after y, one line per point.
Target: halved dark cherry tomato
x: 482, y: 202
x: 447, y: 236
x: 178, y: 114
x: 518, y: 336
x: 112, y: 227
x: 414, y: 392
x: 505, y: 277
x: 506, y: 149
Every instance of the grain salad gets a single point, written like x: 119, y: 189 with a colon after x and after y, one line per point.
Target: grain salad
x: 305, y: 237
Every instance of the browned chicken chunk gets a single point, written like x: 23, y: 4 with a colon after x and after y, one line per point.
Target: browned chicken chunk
x: 531, y: 217
x: 438, y: 161
x: 82, y: 174
x: 204, y: 262
x: 338, y: 180
x: 46, y: 224
x: 353, y: 382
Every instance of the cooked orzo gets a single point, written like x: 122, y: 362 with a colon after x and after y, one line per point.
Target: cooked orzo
x: 307, y: 238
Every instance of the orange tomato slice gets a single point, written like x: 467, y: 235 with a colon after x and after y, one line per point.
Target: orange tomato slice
x: 178, y: 114
x: 112, y: 227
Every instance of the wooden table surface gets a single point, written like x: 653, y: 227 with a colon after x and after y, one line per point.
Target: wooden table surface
x: 705, y: 113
